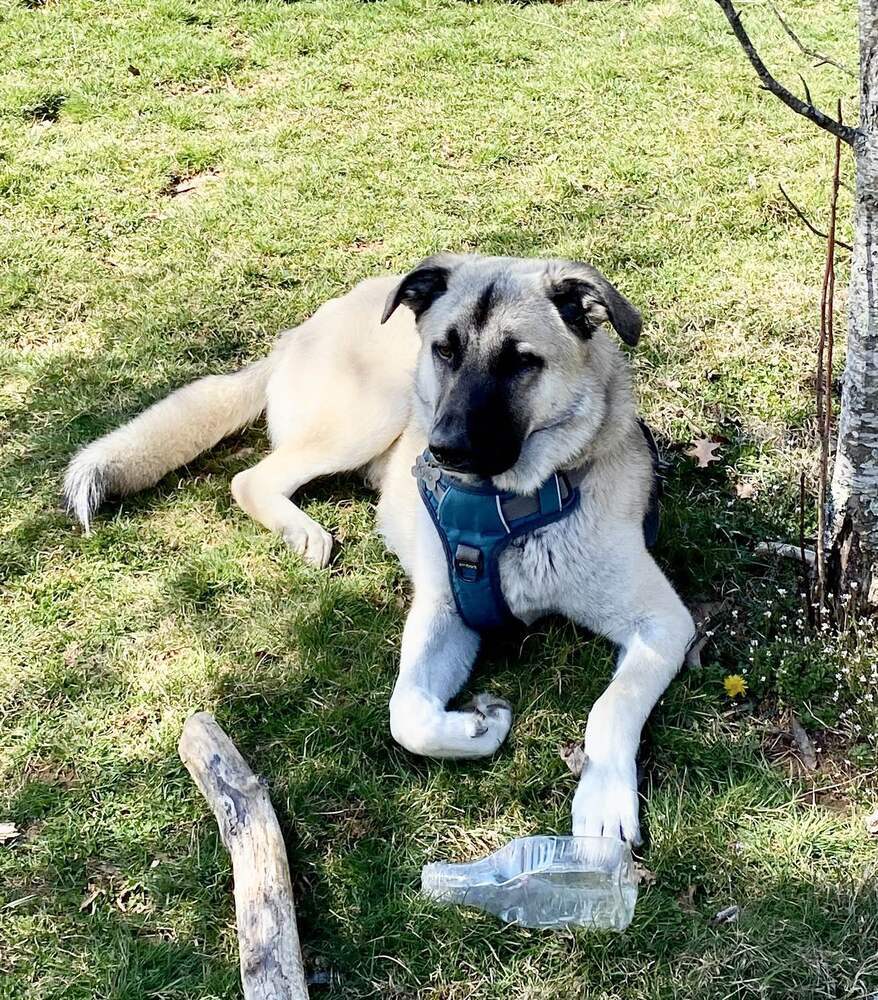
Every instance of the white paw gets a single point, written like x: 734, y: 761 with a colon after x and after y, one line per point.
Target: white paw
x: 606, y: 803
x: 310, y: 541
x: 475, y: 730
x: 489, y: 720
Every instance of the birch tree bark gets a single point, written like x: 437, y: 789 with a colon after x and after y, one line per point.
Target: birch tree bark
x: 851, y: 517
x: 852, y: 520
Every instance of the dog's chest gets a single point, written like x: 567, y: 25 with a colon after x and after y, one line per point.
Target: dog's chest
x: 538, y: 567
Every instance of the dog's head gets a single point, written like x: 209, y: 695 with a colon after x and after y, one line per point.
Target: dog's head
x: 514, y: 370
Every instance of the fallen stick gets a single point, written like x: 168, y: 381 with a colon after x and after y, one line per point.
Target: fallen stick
x: 787, y: 551
x: 271, y: 960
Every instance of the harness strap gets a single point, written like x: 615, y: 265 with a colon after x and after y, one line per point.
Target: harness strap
x: 476, y: 522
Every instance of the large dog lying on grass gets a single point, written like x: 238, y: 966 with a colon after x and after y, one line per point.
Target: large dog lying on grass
x: 499, y: 367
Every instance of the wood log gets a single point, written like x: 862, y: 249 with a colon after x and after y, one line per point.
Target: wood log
x: 271, y: 959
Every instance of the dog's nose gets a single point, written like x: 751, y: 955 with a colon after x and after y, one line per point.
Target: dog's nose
x: 451, y: 458
x: 450, y: 446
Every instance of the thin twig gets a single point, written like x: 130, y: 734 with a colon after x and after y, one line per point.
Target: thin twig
x: 804, y: 108
x: 807, y: 222
x: 806, y: 88
x: 822, y: 60
x: 824, y: 373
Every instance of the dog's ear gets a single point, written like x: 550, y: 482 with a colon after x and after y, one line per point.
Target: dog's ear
x: 585, y: 299
x: 420, y: 288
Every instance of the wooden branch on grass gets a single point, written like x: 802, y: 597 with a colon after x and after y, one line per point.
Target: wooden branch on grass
x: 271, y: 960
x: 786, y: 550
x: 804, y: 108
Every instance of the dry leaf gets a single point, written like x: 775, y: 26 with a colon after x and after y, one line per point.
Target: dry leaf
x: 705, y: 611
x: 186, y: 187
x: 804, y: 744
x: 574, y: 756
x: 703, y: 450
x: 727, y: 916
x: 703, y: 615
x: 89, y: 899
x: 686, y: 900
x: 746, y: 491
x: 872, y: 823
x: 8, y: 832
x: 644, y: 875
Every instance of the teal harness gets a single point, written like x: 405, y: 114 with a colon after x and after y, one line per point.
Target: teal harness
x: 476, y: 523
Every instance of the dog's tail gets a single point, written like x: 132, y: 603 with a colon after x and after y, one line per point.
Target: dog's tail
x: 167, y: 435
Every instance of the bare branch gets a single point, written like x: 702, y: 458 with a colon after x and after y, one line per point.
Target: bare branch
x: 804, y: 108
x: 807, y: 222
x: 822, y: 60
x: 824, y: 376
x: 806, y: 87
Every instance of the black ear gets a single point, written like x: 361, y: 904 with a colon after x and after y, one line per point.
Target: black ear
x: 420, y: 288
x: 585, y: 299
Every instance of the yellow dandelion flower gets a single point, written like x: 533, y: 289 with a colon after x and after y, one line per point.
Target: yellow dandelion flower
x: 735, y: 685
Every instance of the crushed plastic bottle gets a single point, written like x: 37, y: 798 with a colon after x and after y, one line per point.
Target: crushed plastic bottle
x: 544, y: 882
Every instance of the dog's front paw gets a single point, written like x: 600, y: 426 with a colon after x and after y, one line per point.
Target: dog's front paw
x: 489, y: 720
x: 313, y: 543
x: 605, y: 804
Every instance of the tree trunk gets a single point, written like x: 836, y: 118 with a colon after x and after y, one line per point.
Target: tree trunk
x: 853, y: 509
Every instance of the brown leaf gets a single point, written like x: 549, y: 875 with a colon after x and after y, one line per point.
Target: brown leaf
x: 746, y: 491
x: 574, y: 756
x: 8, y: 833
x: 872, y: 823
x: 186, y: 187
x: 703, y: 612
x: 89, y: 899
x: 644, y: 875
x: 703, y: 450
x: 134, y: 71
x: 686, y: 900
x: 804, y: 744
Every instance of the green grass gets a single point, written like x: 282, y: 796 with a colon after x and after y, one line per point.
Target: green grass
x: 337, y: 139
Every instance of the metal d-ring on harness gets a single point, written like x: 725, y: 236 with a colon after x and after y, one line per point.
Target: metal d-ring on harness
x: 476, y: 522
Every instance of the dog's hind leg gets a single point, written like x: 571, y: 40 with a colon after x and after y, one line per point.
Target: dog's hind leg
x: 264, y: 491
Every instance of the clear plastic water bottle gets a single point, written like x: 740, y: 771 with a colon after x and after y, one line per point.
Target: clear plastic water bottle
x: 544, y: 882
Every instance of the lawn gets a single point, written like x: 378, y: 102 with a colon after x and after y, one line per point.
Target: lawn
x: 179, y: 180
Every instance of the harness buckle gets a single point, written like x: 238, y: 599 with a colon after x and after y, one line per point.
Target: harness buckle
x: 468, y: 561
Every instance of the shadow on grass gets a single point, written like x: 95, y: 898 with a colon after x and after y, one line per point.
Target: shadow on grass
x: 360, y: 815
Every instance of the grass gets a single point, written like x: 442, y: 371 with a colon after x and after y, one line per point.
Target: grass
x: 179, y: 179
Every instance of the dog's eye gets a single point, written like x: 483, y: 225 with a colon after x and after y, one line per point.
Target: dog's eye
x: 528, y: 361
x: 444, y: 351
x: 514, y: 360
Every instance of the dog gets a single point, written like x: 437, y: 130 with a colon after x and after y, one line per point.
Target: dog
x: 493, y: 370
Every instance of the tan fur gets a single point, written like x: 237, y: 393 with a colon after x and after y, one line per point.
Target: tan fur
x: 345, y: 391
